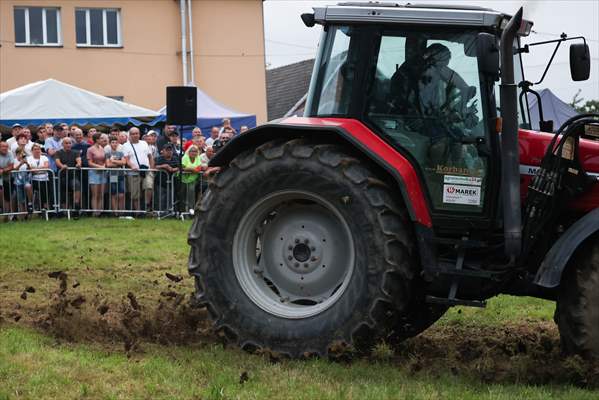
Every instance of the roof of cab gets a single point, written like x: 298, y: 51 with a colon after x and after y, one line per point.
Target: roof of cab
x: 427, y: 14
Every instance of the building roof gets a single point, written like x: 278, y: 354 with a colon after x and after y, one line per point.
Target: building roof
x: 286, y: 85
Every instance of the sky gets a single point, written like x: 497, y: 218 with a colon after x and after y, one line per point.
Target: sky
x: 289, y: 41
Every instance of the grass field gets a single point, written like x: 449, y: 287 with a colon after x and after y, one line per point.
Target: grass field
x: 113, y: 326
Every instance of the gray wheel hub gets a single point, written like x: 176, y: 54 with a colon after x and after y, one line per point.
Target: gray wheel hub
x: 293, y: 254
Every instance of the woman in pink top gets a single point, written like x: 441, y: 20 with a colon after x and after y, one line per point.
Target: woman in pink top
x: 96, y: 158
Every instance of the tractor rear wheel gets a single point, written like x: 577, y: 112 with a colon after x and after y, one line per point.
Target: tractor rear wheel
x: 298, y: 248
x: 577, y: 312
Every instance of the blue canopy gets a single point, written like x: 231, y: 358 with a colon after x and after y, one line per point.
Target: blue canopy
x: 554, y: 109
x: 210, y: 113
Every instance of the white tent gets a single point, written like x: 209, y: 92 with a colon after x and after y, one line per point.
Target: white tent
x: 55, y: 101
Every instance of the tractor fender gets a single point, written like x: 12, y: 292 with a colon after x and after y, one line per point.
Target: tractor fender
x: 549, y: 274
x: 350, y: 132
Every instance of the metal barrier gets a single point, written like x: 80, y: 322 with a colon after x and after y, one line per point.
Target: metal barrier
x: 190, y: 193
x: 28, y: 192
x: 96, y: 191
x: 116, y: 191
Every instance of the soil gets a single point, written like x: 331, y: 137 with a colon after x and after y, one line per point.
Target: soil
x: 523, y: 353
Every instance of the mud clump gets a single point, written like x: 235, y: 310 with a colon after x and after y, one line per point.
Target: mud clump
x: 133, y: 301
x: 174, y: 278
x: 77, y: 301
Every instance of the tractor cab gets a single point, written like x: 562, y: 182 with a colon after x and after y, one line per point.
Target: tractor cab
x: 416, y: 76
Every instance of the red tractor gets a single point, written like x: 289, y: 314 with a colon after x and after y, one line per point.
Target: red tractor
x: 413, y: 183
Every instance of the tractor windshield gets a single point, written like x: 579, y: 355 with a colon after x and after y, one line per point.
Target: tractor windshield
x: 420, y: 89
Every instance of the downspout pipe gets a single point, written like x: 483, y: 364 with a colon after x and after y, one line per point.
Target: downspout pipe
x: 183, y: 41
x: 192, y: 81
x: 510, y: 157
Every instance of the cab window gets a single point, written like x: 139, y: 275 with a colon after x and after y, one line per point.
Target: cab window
x: 425, y: 99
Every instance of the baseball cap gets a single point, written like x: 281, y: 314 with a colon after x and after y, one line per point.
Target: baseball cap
x: 17, y: 125
x: 58, y: 127
x: 168, y: 147
x: 151, y: 133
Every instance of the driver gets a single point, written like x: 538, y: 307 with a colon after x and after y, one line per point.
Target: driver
x: 435, y: 99
x: 444, y: 97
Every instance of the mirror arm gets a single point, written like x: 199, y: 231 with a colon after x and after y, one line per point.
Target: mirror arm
x: 549, y: 63
x: 563, y: 38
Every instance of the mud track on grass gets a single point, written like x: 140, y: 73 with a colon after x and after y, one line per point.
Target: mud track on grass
x: 521, y: 353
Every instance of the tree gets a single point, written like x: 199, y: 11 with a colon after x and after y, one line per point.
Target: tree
x: 589, y: 106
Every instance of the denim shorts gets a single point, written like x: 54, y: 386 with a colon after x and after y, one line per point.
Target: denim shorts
x: 97, y: 177
x: 117, y: 187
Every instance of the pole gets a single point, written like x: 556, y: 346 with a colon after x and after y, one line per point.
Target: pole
x: 183, y: 41
x: 191, y: 59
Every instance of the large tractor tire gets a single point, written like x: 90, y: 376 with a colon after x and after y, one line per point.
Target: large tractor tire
x: 298, y: 248
x: 577, y: 312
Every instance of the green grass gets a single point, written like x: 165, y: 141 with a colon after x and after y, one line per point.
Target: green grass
x: 33, y: 366
x: 117, y: 256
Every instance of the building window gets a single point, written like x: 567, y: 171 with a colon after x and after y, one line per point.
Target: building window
x: 37, y: 26
x: 98, y: 27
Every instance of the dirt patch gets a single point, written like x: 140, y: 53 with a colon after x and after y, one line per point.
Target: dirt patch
x: 522, y: 353
x: 526, y: 353
x: 69, y: 315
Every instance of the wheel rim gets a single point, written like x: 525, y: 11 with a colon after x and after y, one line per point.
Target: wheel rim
x: 293, y: 254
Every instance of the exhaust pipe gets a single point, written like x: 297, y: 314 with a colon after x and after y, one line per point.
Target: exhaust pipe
x: 510, y: 157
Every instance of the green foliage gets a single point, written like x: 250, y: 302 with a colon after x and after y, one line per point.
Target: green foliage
x: 584, y: 107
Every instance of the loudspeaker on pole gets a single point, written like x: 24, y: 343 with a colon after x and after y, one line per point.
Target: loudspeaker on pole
x: 181, y: 105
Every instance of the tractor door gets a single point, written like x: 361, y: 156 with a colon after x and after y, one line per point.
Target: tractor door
x: 426, y: 98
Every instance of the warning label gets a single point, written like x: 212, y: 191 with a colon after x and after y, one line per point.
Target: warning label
x: 463, y: 180
x: 458, y: 194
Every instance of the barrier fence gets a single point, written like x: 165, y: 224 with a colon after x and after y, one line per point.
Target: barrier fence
x: 100, y: 191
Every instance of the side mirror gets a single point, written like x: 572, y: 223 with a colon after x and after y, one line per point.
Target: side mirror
x: 580, y: 62
x: 487, y: 52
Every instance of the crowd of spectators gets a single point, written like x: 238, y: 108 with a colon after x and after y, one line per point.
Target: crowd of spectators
x: 107, y: 171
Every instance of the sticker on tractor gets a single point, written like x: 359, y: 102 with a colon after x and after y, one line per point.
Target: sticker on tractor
x: 458, y: 194
x: 463, y: 180
x: 447, y: 169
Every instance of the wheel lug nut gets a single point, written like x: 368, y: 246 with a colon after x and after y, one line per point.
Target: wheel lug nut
x: 290, y: 247
x: 296, y: 265
x: 296, y: 240
x: 306, y: 241
x: 306, y: 265
x: 289, y: 258
x: 313, y: 259
x: 313, y: 248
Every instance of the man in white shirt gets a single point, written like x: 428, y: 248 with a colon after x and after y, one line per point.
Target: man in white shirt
x: 139, y: 158
x: 15, y: 131
x: 214, y: 133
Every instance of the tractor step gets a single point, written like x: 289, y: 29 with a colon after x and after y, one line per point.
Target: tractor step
x: 465, y: 272
x: 455, y: 302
